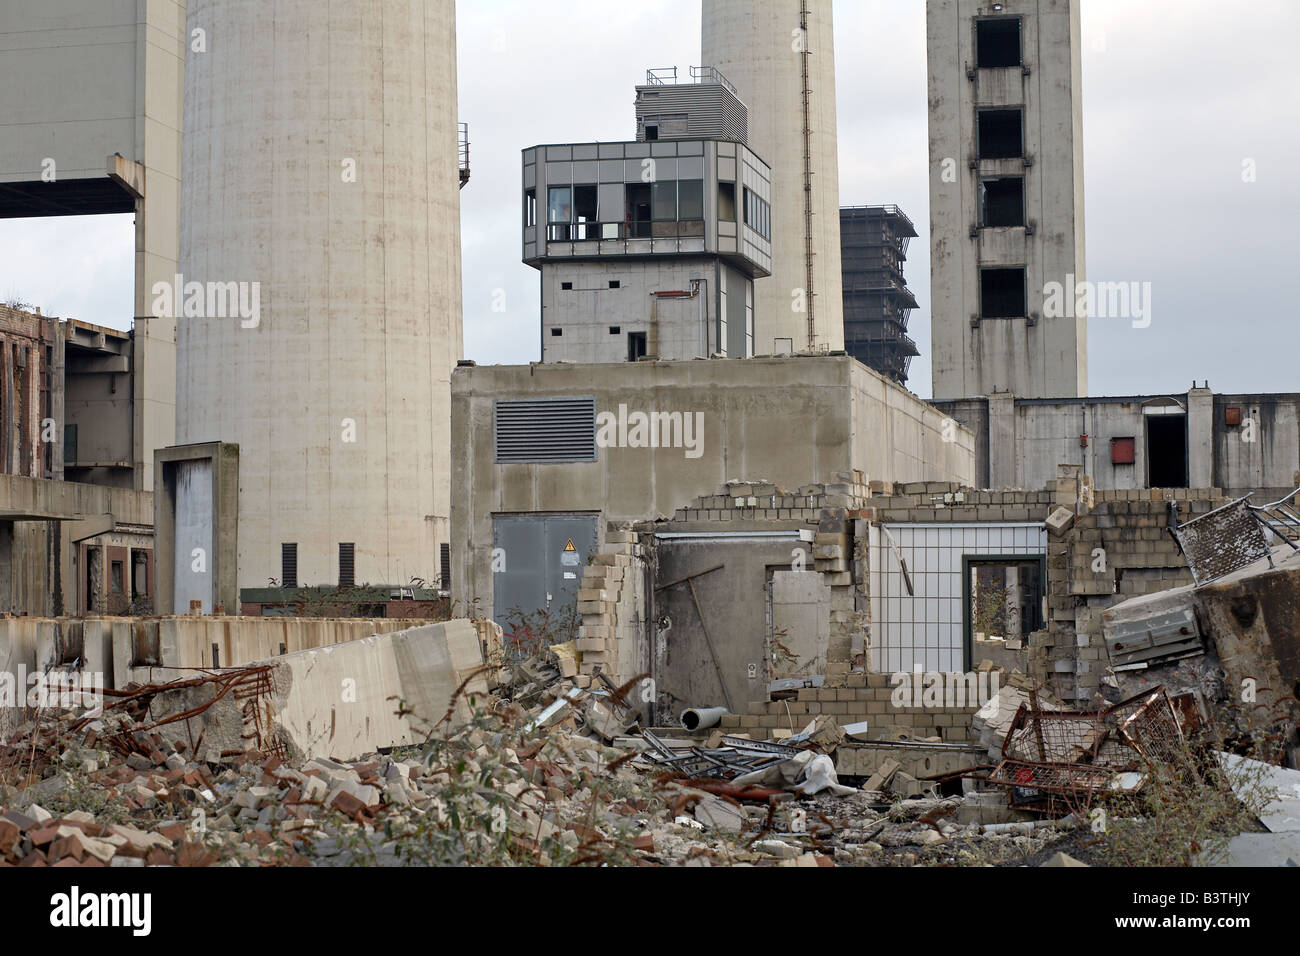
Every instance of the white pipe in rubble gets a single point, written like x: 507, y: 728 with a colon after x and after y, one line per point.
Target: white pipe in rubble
x: 702, y: 718
x: 1024, y: 827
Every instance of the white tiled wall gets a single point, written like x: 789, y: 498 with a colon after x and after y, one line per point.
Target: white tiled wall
x: 924, y: 630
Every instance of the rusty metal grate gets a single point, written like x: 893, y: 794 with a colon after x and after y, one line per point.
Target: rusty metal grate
x: 1071, y: 752
x: 251, y: 686
x: 1221, y: 541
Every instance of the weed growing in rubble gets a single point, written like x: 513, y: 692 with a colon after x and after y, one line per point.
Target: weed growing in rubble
x: 1186, y: 814
x: 530, y: 634
x: 508, y: 794
x: 83, y: 794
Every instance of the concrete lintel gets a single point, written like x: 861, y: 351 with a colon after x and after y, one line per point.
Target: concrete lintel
x: 92, y: 525
x: 127, y: 174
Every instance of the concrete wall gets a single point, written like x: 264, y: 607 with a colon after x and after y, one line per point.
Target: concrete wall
x: 46, y: 517
x: 338, y: 396
x: 343, y: 701
x: 1265, y: 455
x: 757, y: 47
x: 80, y: 81
x: 1049, y: 357
x: 28, y: 384
x: 674, y: 328
x: 125, y: 648
x: 98, y: 385
x: 196, y: 520
x: 898, y: 437
x: 790, y: 421
x: 1020, y: 443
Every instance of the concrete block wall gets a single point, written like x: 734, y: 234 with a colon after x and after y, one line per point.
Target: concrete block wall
x: 1118, y: 547
x: 833, y: 512
x: 866, y: 697
x: 925, y: 501
x: 611, y: 602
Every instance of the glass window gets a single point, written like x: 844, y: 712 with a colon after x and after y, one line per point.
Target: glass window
x: 558, y: 208
x: 691, y: 199
x: 611, y: 202
x: 663, y: 200
x: 530, y: 207
x: 757, y: 214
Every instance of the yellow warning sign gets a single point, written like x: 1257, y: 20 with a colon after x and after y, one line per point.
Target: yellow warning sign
x: 568, y: 545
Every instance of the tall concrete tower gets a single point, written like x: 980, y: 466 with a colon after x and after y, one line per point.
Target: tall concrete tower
x: 780, y: 55
x: 1006, y: 198
x: 320, y: 175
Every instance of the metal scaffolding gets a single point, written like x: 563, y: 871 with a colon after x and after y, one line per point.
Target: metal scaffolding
x: 877, y: 302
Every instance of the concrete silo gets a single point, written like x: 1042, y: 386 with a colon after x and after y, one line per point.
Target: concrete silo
x: 320, y: 187
x: 780, y: 56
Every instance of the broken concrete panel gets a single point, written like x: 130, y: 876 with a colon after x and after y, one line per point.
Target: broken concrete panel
x: 1282, y: 815
x: 342, y: 700
x: 1251, y: 671
x: 719, y: 814
x: 1263, y: 849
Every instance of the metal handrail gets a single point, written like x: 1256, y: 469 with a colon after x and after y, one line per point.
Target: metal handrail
x: 1280, y: 517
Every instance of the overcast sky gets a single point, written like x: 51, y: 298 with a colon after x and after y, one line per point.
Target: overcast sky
x: 1177, y: 95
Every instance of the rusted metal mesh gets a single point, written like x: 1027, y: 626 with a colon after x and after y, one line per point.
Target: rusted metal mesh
x: 1221, y: 541
x: 250, y: 686
x: 1153, y: 730
x: 1052, y: 736
x: 1073, y: 751
x: 1059, y: 778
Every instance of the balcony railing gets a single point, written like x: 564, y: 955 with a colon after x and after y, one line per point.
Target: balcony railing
x: 627, y: 229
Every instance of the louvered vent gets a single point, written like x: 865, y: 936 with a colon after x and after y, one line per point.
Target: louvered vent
x: 289, y: 565
x: 545, y: 430
x: 444, y: 554
x: 347, y: 564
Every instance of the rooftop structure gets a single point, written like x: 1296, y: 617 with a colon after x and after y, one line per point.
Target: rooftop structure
x: 649, y: 247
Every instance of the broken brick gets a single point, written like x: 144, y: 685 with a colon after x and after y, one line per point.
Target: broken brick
x: 345, y: 803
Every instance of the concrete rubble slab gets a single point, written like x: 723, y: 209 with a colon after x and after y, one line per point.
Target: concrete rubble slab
x: 342, y: 700
x: 1282, y: 815
x: 1251, y: 658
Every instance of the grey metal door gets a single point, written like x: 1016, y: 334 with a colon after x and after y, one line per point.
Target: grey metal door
x: 538, y: 561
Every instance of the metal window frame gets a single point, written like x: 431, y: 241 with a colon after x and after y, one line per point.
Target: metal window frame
x: 967, y: 560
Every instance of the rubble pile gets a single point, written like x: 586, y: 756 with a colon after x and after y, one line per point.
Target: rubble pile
x: 548, y: 770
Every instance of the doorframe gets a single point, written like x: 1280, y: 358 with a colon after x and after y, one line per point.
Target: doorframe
x: 967, y: 560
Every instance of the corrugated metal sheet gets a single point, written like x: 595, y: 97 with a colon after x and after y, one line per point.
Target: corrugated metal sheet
x: 544, y: 430
x: 712, y: 111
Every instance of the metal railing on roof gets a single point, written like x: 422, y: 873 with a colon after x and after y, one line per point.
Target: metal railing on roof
x: 667, y: 76
x: 889, y: 210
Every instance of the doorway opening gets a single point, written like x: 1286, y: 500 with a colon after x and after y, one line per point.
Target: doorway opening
x: 1166, y: 451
